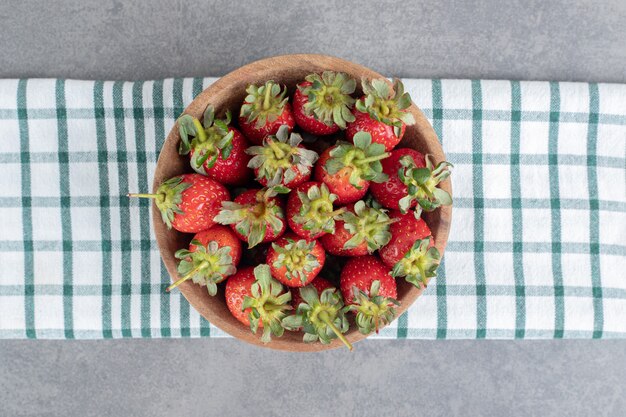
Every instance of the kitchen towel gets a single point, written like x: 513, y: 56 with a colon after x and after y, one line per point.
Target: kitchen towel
x: 537, y: 247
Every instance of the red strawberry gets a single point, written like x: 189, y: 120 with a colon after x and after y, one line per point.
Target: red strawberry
x: 189, y: 202
x: 282, y: 160
x: 213, y: 255
x: 216, y: 150
x: 320, y: 285
x: 339, y: 183
x: 264, y: 110
x: 348, y: 169
x: 382, y: 112
x: 256, y: 216
x: 360, y: 272
x: 310, y: 211
x: 411, y: 252
x: 404, y: 233
x: 359, y: 231
x: 412, y: 180
x: 370, y: 291
x: 322, y: 103
x: 258, y: 300
x: 322, y: 316
x: 295, y: 261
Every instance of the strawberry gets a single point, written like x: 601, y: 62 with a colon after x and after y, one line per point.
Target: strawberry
x: 189, y: 202
x: 216, y: 150
x: 339, y: 183
x: 264, y: 110
x: 404, y: 232
x: 382, y: 112
x: 258, y: 300
x: 213, y: 255
x: 410, y: 251
x: 370, y: 291
x: 256, y: 216
x: 412, y: 180
x: 348, y: 169
x: 419, y: 264
x: 295, y: 261
x: 322, y: 103
x: 310, y: 211
x: 321, y: 315
x: 282, y: 160
x: 320, y: 285
x: 360, y: 230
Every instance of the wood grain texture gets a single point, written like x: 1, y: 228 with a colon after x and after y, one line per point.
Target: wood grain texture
x: 227, y: 93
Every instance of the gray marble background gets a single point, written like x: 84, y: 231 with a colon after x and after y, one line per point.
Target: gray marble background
x: 107, y: 39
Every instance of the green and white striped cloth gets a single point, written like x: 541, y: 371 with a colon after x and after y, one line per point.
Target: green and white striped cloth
x: 537, y: 246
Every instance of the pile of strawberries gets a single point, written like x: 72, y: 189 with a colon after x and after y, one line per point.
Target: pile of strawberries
x: 311, y: 205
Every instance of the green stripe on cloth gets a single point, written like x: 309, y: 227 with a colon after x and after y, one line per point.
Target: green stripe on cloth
x: 126, y: 266
x: 27, y: 221
x: 66, y: 211
x: 144, y: 206
x: 440, y: 282
x: 516, y: 207
x: 105, y: 203
x: 479, y: 213
x: 536, y: 246
x: 594, y: 226
x: 555, y: 211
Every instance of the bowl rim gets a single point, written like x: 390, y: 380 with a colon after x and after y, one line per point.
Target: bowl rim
x: 317, y: 62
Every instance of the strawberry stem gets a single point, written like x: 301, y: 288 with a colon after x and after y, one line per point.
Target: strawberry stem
x: 337, y: 212
x: 277, y: 151
x: 387, y: 222
x: 323, y: 315
x: 143, y: 195
x: 374, y: 158
x: 193, y: 272
x: 384, y: 109
x: 266, y: 100
x: 420, y: 268
x: 201, y: 134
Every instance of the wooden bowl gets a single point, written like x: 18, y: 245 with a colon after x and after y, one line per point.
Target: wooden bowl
x: 228, y: 93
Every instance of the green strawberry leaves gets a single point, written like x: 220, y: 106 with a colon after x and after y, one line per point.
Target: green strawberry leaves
x: 419, y: 264
x: 321, y: 316
x: 269, y: 304
x: 422, y: 184
x: 329, y: 98
x: 362, y: 159
x: 281, y: 159
x: 168, y: 198
x: 264, y: 104
x: 207, y: 141
x: 207, y: 265
x: 386, y: 105
x: 316, y: 211
x: 372, y: 310
x: 367, y: 224
x: 297, y: 258
x: 252, y: 220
